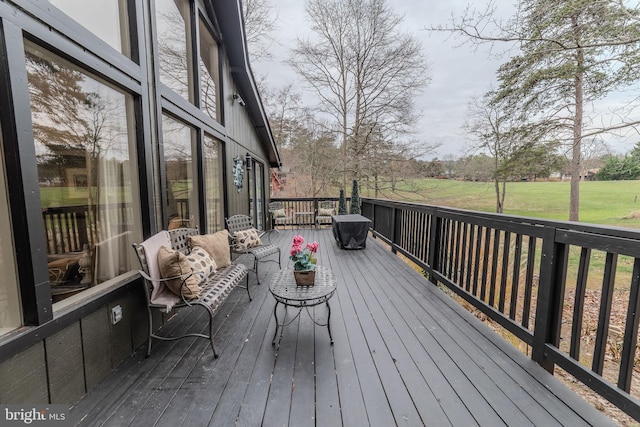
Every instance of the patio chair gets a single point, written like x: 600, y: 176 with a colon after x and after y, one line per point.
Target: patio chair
x: 279, y: 215
x: 326, y: 208
x: 247, y: 240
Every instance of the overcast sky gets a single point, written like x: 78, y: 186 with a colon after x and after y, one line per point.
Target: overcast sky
x: 457, y: 73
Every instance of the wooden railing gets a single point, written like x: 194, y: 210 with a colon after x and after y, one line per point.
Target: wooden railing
x: 569, y: 292
x: 69, y: 228
x: 537, y: 279
x: 302, y: 211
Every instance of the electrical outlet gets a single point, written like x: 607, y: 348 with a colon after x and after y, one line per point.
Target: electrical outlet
x: 116, y: 314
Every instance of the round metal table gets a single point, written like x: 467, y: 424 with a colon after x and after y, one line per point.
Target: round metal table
x: 285, y: 291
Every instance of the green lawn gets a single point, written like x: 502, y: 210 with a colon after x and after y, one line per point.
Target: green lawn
x: 601, y: 202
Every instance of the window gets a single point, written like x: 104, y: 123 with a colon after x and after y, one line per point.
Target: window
x: 209, y: 82
x: 178, y: 140
x: 256, y: 192
x: 10, y: 315
x: 251, y: 185
x: 174, y: 46
x: 85, y: 145
x: 214, y: 203
x: 113, y: 25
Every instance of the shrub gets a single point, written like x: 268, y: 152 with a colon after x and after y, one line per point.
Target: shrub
x: 342, y: 203
x: 355, y: 199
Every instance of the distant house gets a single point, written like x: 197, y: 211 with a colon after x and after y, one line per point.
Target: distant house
x: 118, y: 120
x: 589, y: 174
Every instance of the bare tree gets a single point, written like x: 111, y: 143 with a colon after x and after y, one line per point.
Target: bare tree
x: 385, y: 163
x: 307, y: 146
x: 571, y: 53
x: 492, y: 128
x: 283, y: 108
x: 259, y: 23
x: 365, y: 72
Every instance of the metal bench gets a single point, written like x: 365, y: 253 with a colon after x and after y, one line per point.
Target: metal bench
x: 243, y: 223
x: 213, y: 291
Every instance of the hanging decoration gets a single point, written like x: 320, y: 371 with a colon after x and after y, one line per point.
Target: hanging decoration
x: 238, y: 172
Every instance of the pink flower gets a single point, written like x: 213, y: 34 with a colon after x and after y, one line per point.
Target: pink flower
x: 298, y: 240
x: 295, y: 250
x: 313, y: 247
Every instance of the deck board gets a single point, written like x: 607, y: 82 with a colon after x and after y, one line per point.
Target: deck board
x: 404, y: 353
x: 498, y: 364
x: 498, y: 390
x: 377, y: 364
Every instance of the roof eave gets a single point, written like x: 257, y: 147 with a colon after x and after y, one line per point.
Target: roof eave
x: 229, y: 18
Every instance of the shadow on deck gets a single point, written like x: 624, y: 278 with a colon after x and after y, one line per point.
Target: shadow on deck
x: 404, y: 354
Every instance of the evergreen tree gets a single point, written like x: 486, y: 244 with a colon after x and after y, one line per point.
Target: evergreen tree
x: 616, y: 168
x: 355, y: 199
x: 342, y: 203
x: 572, y: 54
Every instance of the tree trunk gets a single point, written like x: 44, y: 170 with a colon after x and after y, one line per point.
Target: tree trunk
x: 576, y: 155
x: 344, y: 145
x: 496, y: 178
x: 499, y: 200
x: 376, y: 186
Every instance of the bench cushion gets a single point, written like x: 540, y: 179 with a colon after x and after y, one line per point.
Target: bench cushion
x: 245, y: 239
x: 201, y: 261
x: 279, y: 213
x: 175, y: 264
x: 217, y: 244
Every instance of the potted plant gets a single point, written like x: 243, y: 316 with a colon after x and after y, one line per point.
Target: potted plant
x: 304, y: 261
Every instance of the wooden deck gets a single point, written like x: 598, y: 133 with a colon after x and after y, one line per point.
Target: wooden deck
x: 404, y: 354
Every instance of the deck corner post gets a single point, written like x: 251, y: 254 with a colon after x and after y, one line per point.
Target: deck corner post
x: 553, y: 267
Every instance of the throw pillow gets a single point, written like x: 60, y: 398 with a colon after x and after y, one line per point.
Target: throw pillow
x: 175, y: 264
x: 278, y: 213
x: 216, y: 244
x: 325, y: 212
x: 201, y: 262
x: 246, y: 239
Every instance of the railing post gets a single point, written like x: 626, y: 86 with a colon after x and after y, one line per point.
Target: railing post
x: 434, y: 245
x: 627, y: 361
x: 394, y: 225
x: 553, y: 268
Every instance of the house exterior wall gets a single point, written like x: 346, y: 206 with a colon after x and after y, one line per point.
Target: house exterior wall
x: 60, y: 350
x: 241, y: 132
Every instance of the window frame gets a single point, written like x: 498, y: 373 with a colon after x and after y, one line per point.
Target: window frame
x: 196, y: 168
x: 26, y: 212
x: 129, y: 5
x: 62, y: 36
x: 170, y: 99
x: 217, y: 39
